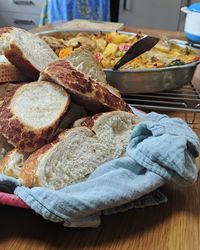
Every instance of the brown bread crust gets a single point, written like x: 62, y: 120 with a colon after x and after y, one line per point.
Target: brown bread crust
x: 22, y: 137
x: 89, y: 91
x: 28, y: 174
x: 89, y: 121
x: 16, y: 57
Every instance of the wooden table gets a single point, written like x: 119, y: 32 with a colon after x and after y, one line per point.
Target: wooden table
x: 171, y: 226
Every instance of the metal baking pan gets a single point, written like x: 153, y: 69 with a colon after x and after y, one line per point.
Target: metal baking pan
x: 143, y: 80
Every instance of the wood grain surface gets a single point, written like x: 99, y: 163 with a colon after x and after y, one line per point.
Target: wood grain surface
x: 174, y: 225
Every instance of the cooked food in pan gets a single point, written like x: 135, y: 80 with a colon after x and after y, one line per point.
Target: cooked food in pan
x: 108, y: 48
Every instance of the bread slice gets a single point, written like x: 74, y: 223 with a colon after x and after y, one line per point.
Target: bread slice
x: 30, y: 116
x: 12, y: 163
x: 84, y: 61
x: 26, y: 51
x: 84, y: 90
x: 77, y: 152
x: 9, y: 73
x: 5, y: 147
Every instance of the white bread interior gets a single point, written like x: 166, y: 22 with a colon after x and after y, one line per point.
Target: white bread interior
x: 79, y: 151
x: 30, y: 116
x: 37, y: 105
x: 12, y: 163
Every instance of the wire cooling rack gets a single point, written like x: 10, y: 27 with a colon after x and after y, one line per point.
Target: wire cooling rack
x: 185, y: 99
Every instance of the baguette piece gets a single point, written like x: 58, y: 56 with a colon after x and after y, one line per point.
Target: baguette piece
x: 26, y: 51
x: 84, y: 61
x: 5, y: 147
x: 12, y: 163
x: 9, y: 73
x: 30, y: 116
x: 77, y: 152
x: 84, y: 90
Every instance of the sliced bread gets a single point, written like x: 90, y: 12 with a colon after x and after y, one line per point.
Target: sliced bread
x: 26, y: 51
x: 84, y: 90
x: 84, y: 61
x: 77, y: 152
x: 12, y: 163
x: 9, y: 73
x: 30, y: 116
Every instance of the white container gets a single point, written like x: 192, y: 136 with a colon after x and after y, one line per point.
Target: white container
x: 192, y: 22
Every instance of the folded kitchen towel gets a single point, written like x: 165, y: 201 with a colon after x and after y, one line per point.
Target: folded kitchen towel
x: 161, y: 149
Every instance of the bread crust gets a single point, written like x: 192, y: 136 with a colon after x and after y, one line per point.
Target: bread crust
x: 4, y: 161
x: 21, y: 136
x: 28, y: 174
x: 83, y: 89
x: 16, y: 57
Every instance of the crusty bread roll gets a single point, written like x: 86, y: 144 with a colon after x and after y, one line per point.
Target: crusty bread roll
x: 12, y: 163
x: 31, y: 114
x: 84, y: 61
x: 78, y: 151
x: 5, y: 147
x: 26, y: 51
x: 9, y: 73
x: 84, y: 90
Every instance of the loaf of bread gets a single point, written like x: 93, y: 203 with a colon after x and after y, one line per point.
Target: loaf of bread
x: 77, y: 152
x: 84, y: 90
x: 12, y: 163
x: 9, y: 73
x: 26, y: 51
x: 30, y: 116
x: 84, y: 61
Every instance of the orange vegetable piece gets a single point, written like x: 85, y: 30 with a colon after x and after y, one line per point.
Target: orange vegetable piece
x: 65, y: 52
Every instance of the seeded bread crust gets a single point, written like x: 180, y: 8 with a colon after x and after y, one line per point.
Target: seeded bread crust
x: 21, y: 136
x: 85, y: 91
x: 16, y: 57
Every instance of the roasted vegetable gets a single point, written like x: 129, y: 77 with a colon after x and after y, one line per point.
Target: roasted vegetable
x: 175, y: 63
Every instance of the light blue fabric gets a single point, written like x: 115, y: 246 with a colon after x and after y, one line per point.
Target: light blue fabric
x: 161, y: 149
x: 55, y: 10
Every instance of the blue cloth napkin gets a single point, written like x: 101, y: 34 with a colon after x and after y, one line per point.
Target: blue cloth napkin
x: 55, y: 10
x: 161, y: 149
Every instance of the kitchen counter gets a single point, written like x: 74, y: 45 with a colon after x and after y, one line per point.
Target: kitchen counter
x: 171, y: 226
